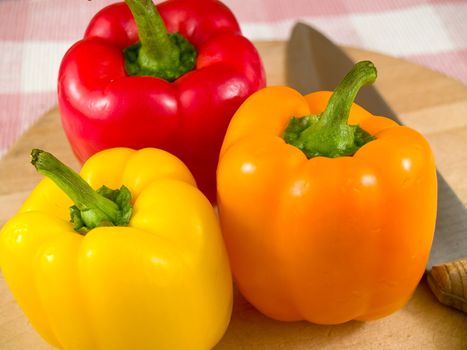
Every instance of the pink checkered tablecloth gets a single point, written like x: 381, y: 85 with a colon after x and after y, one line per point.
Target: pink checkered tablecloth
x: 34, y: 35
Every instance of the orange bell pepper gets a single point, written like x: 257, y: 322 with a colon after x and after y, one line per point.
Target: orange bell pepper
x: 325, y: 220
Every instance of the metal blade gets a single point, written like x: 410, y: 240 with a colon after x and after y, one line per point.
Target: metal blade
x: 315, y: 63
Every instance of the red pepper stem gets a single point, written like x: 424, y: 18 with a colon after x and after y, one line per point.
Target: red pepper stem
x: 154, y: 38
x: 158, y: 53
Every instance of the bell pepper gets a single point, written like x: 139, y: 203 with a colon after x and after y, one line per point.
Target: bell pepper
x: 169, y: 78
x: 327, y: 211
x: 142, y: 265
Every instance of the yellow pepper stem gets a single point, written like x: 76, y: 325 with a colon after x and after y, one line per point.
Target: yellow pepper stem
x: 329, y: 134
x: 104, y: 207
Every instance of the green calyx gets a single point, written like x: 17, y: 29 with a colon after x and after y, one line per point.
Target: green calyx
x: 104, y: 207
x: 159, y: 53
x: 328, y: 134
x: 85, y: 219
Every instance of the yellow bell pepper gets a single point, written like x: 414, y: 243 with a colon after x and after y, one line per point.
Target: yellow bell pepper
x: 144, y: 268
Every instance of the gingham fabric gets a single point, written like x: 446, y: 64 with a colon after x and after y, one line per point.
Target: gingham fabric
x: 34, y: 35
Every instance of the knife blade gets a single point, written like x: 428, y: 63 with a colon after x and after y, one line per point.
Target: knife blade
x: 314, y: 62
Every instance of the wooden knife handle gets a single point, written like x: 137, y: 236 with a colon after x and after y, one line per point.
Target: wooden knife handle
x: 448, y: 283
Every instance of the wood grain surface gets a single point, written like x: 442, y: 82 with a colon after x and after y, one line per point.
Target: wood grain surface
x: 425, y: 100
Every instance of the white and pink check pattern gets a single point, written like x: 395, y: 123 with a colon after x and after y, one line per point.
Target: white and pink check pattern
x: 34, y: 35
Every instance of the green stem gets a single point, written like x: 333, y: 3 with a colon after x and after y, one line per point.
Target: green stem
x: 92, y: 208
x: 158, y: 53
x: 329, y: 134
x: 155, y: 42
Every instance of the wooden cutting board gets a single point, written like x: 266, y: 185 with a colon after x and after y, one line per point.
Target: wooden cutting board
x: 430, y: 102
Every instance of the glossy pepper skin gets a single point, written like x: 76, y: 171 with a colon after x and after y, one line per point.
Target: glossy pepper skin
x: 324, y: 239
x: 102, y: 106
x: 162, y: 282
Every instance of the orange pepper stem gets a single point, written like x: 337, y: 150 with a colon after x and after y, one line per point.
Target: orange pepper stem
x: 329, y: 134
x: 104, y: 207
x: 159, y: 53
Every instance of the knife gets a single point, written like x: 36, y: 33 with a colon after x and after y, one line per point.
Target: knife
x: 314, y: 63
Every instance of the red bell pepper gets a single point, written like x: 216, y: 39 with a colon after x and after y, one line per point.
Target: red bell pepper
x: 157, y: 89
